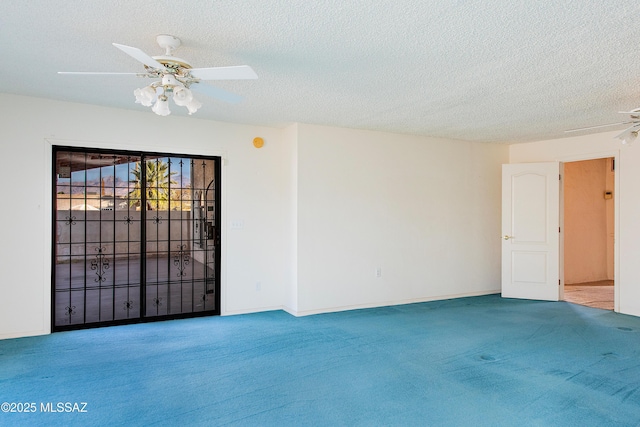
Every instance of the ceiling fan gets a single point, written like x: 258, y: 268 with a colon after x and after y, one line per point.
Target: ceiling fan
x: 629, y: 134
x: 175, y: 78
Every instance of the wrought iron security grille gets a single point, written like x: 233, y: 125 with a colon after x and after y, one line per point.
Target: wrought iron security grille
x: 136, y: 237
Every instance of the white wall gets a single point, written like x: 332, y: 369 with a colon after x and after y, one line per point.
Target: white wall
x: 321, y: 209
x: 628, y: 202
x: 425, y: 211
x: 291, y: 290
x: 256, y: 191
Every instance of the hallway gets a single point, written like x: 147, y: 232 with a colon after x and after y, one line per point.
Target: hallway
x: 592, y: 294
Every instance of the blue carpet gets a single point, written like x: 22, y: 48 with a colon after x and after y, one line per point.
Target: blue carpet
x: 481, y: 361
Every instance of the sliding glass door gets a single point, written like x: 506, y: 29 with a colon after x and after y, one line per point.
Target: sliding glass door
x: 136, y: 237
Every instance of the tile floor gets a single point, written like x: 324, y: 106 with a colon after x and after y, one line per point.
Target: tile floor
x: 592, y: 294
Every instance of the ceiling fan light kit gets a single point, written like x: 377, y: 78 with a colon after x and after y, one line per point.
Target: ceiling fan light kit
x: 628, y: 136
x: 175, y: 77
x: 160, y: 91
x: 161, y: 107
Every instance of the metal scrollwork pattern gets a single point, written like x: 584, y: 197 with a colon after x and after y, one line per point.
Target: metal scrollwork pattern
x: 100, y: 265
x: 181, y: 259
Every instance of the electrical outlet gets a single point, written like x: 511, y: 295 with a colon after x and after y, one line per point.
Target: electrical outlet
x: 378, y: 271
x: 258, y: 286
x: 237, y: 225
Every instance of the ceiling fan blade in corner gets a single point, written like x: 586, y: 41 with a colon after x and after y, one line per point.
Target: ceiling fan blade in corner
x: 598, y: 126
x: 216, y: 92
x: 139, y: 55
x: 237, y: 72
x: 634, y: 111
x: 91, y: 73
x: 628, y: 131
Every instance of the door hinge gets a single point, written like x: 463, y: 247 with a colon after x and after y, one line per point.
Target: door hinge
x: 559, y: 177
x: 558, y: 282
x: 558, y: 229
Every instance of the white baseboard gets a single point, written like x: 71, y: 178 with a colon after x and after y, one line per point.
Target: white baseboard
x: 306, y: 312
x: 252, y: 310
x: 387, y: 303
x: 23, y: 334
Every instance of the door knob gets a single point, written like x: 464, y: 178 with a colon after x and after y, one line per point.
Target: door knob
x: 507, y: 237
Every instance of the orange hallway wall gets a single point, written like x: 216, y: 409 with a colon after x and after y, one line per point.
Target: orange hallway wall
x: 588, y: 221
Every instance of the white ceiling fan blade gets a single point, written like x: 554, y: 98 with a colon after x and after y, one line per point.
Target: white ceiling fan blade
x: 139, y: 55
x: 216, y: 92
x: 238, y: 72
x: 628, y: 131
x: 599, y: 126
x: 634, y: 111
x: 99, y: 73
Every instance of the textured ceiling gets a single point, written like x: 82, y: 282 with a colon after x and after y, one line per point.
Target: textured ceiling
x: 493, y: 70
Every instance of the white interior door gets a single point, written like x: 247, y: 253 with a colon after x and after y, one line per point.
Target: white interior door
x: 530, y: 231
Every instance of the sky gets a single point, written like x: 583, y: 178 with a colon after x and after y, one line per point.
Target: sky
x: 123, y: 173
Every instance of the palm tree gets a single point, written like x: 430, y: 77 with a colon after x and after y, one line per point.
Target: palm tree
x: 158, y: 180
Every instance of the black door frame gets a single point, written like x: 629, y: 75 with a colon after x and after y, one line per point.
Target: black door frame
x: 142, y: 318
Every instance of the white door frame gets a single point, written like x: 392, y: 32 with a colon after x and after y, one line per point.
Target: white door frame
x: 615, y: 154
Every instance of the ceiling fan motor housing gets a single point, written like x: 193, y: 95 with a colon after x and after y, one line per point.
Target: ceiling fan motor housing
x: 169, y: 80
x: 168, y: 42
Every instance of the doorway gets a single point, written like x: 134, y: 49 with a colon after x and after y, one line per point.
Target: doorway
x: 589, y: 230
x: 136, y: 237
